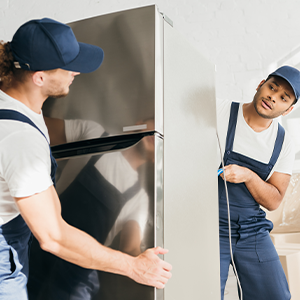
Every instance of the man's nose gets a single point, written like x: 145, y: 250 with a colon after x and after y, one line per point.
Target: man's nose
x: 271, y: 97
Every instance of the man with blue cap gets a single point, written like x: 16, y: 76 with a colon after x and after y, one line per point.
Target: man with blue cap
x: 258, y: 161
x: 41, y: 61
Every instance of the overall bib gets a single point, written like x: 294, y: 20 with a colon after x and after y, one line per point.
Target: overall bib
x: 91, y: 204
x: 257, y: 262
x: 15, y: 238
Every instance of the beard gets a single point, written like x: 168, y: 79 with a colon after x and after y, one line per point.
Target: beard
x: 56, y: 96
x: 56, y: 90
x: 270, y: 116
x: 58, y: 93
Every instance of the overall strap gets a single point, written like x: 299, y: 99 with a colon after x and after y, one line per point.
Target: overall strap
x: 232, y: 126
x: 277, y: 146
x: 132, y: 191
x: 8, y: 114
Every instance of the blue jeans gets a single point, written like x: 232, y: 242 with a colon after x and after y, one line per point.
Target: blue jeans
x: 15, y: 239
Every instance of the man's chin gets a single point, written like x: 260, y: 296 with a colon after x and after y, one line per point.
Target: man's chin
x: 59, y: 95
x: 262, y: 114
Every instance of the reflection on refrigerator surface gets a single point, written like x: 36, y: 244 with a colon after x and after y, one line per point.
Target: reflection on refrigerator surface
x: 110, y: 197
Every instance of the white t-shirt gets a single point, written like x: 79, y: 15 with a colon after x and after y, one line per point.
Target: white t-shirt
x: 256, y: 145
x: 25, y: 163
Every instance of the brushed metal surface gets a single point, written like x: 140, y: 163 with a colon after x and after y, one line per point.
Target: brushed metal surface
x: 123, y: 91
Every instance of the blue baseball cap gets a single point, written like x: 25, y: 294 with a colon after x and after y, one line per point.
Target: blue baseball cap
x: 292, y: 76
x: 45, y: 44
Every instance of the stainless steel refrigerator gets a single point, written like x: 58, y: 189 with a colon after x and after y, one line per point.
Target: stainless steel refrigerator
x: 137, y: 157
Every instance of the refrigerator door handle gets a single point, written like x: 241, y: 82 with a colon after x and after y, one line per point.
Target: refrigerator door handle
x: 99, y: 145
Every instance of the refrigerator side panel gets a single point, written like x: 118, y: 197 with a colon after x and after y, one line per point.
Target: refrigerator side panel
x: 159, y: 72
x: 190, y: 172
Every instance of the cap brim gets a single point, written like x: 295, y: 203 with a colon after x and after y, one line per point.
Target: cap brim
x: 291, y: 85
x: 279, y: 74
x: 89, y: 59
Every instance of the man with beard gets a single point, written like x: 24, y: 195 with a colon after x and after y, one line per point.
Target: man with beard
x: 258, y: 161
x: 41, y: 61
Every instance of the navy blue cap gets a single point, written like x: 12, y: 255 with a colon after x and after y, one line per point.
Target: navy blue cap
x: 292, y: 76
x: 41, y: 45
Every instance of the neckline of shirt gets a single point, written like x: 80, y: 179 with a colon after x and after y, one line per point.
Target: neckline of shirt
x: 242, y: 118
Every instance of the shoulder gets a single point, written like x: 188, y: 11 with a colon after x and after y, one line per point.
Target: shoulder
x: 25, y: 162
x: 19, y: 132
x: 288, y: 143
x: 223, y: 111
x: 23, y: 142
x: 286, y: 157
x: 223, y: 104
x: 224, y: 107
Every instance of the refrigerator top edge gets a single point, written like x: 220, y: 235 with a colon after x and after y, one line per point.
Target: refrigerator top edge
x: 116, y: 12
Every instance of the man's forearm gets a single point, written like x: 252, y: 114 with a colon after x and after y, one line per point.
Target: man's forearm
x: 146, y: 268
x: 42, y: 213
x: 268, y: 194
x: 263, y: 192
x: 77, y: 247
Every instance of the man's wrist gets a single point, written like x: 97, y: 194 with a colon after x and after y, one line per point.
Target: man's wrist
x: 249, y: 175
x: 126, y: 265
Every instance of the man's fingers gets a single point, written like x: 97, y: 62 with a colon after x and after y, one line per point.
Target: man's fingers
x: 150, y: 269
x: 166, y: 266
x: 160, y: 250
x: 167, y: 274
x: 160, y: 285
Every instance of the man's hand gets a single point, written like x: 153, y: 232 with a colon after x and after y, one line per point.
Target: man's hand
x: 42, y: 213
x: 236, y: 174
x: 149, y: 269
x: 269, y: 193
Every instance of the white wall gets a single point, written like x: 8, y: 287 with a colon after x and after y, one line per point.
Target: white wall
x: 243, y: 38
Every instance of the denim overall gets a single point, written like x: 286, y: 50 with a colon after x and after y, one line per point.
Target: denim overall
x: 15, y: 238
x: 257, y: 262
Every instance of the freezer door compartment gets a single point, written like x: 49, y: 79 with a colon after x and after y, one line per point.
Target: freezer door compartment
x: 127, y: 89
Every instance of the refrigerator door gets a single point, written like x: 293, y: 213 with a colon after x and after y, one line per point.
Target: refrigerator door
x: 112, y: 196
x: 127, y: 89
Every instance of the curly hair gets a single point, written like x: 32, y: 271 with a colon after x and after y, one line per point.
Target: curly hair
x: 8, y: 71
x: 6, y: 64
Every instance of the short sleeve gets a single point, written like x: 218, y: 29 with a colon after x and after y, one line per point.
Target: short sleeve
x: 25, y: 163
x: 285, y: 162
x: 223, y: 113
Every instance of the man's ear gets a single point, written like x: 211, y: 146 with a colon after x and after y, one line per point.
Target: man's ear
x: 261, y: 83
x: 288, y: 111
x: 38, y: 78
